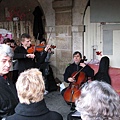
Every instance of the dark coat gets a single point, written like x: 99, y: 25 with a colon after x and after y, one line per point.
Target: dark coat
x: 40, y: 58
x: 46, y: 70
x: 40, y: 61
x: 24, y: 63
x: 103, y: 71
x: 38, y: 24
x: 8, y: 97
x: 34, y: 111
x: 73, y: 68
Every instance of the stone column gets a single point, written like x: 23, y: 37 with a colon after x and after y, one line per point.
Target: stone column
x: 78, y: 27
x: 63, y: 26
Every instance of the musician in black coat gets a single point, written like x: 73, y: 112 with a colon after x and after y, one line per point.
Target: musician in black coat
x: 43, y: 64
x: 25, y: 60
x: 76, y: 66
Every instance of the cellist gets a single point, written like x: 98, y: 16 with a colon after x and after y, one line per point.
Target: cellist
x: 77, y: 65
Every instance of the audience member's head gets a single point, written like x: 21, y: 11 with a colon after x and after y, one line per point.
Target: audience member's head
x: 98, y: 101
x: 13, y: 43
x: 6, y: 50
x: 7, y: 41
x: 6, y: 55
x: 30, y: 86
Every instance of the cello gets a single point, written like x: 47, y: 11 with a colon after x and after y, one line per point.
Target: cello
x: 73, y: 91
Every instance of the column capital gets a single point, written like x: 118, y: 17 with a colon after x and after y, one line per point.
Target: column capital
x: 62, y: 5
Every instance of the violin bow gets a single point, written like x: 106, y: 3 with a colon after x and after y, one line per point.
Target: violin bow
x: 49, y: 35
x: 35, y: 42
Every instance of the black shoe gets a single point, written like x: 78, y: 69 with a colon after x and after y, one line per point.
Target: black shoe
x: 72, y: 107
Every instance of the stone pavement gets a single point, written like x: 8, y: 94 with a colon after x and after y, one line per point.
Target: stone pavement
x: 55, y: 102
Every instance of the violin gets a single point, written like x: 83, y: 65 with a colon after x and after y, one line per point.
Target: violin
x: 38, y: 48
x: 73, y: 92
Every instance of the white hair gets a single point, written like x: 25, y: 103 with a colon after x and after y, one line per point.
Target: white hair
x: 6, y: 50
x: 30, y: 86
x: 99, y: 101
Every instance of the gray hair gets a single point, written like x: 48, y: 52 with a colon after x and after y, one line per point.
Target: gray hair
x: 6, y: 50
x: 99, y: 101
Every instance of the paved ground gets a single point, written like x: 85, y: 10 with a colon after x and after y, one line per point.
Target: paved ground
x: 55, y: 102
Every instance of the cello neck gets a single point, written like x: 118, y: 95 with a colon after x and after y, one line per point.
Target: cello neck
x: 78, y: 72
x: 81, y: 69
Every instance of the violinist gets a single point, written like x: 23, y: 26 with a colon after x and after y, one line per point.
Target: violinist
x: 42, y: 63
x: 77, y: 65
x: 41, y: 55
x: 25, y: 60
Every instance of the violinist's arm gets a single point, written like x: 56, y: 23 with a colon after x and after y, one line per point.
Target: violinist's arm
x: 19, y: 55
x: 30, y: 55
x: 48, y: 57
x: 47, y: 48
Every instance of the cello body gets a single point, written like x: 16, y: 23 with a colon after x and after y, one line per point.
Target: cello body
x: 73, y: 91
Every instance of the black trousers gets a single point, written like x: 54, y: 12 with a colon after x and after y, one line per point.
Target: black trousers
x: 47, y: 72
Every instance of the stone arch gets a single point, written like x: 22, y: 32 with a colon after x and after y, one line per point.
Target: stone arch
x: 85, y: 5
x: 49, y: 13
x: 78, y: 13
x: 49, y: 19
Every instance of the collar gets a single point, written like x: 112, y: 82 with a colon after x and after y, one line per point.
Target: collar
x: 5, y: 77
x: 4, y: 81
x: 32, y: 109
x: 77, y: 64
x: 24, y: 47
